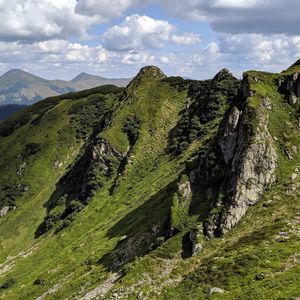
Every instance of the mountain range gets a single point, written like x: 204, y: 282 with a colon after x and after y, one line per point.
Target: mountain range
x: 20, y: 87
x: 169, y: 188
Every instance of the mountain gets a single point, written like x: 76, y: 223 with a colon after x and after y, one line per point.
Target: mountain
x: 88, y: 81
x: 166, y: 189
x: 20, y: 87
x: 7, y: 110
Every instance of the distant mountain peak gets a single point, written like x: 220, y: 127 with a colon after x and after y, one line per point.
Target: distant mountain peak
x: 85, y: 76
x: 21, y: 87
x: 17, y: 72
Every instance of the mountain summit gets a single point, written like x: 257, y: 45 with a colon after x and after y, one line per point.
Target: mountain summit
x: 167, y: 189
x: 20, y: 87
x: 85, y: 76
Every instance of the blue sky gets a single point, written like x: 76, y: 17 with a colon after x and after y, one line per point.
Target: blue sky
x: 115, y: 38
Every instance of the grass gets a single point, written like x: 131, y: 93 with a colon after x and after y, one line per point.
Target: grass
x: 75, y: 252
x: 254, y: 261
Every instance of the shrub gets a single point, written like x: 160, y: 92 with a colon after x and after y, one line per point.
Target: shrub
x: 131, y: 128
x: 75, y: 206
x: 30, y: 149
x: 209, y: 100
x: 9, y: 283
x: 39, y: 281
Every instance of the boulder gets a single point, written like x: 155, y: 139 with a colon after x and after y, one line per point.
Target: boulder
x: 294, y: 176
x: 215, y: 290
x: 3, y: 211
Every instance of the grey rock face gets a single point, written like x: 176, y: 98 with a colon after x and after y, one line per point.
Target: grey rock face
x: 184, y: 188
x: 253, y: 170
x: 293, y: 88
x: 194, y: 236
x: 234, y: 174
x: 104, y: 147
x: 3, y: 211
x: 215, y: 290
x: 228, y: 142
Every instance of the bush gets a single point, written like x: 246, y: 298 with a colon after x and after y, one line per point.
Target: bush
x: 131, y: 128
x: 30, y: 149
x: 9, y: 283
x: 88, y: 115
x: 8, y: 195
x: 40, y: 108
x: 209, y: 100
x: 39, y: 281
x: 76, y: 206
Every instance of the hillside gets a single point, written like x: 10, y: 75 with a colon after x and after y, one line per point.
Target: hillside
x: 166, y: 189
x: 20, y: 87
x: 7, y: 110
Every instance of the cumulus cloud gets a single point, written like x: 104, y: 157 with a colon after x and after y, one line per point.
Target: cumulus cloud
x: 241, y: 16
x: 34, y: 20
x: 107, y: 9
x: 47, y: 54
x: 138, y: 32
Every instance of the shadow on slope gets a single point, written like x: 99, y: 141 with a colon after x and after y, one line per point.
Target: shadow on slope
x: 142, y: 230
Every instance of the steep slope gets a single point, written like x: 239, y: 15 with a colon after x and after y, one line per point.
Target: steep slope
x: 163, y: 190
x: 20, y: 87
x: 7, y: 110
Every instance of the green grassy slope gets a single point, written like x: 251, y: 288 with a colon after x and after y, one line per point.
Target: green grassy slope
x: 133, y: 208
x: 119, y: 245
x: 259, y: 258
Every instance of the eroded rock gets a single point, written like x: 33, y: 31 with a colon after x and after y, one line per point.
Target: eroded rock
x: 253, y: 168
x: 4, y: 210
x: 195, y: 237
x: 215, y: 290
x: 229, y: 138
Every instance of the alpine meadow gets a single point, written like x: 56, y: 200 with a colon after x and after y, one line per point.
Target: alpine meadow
x: 167, y: 189
x: 149, y: 150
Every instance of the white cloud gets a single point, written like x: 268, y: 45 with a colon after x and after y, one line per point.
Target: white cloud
x: 140, y: 58
x: 45, y: 54
x: 241, y: 16
x: 38, y: 20
x: 107, y: 9
x: 139, y: 32
x: 237, y: 3
x: 32, y: 20
x: 257, y: 47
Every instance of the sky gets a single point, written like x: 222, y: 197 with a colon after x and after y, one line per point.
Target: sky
x: 115, y: 38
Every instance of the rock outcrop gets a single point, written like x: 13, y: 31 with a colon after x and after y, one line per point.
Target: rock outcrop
x: 180, y: 205
x: 146, y: 73
x: 215, y: 290
x: 229, y: 139
x: 290, y: 86
x: 239, y: 166
x: 3, y: 211
x: 293, y: 88
x: 252, y: 168
x: 196, y: 236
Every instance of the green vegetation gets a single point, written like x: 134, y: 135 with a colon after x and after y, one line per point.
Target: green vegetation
x: 109, y: 184
x: 208, y: 102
